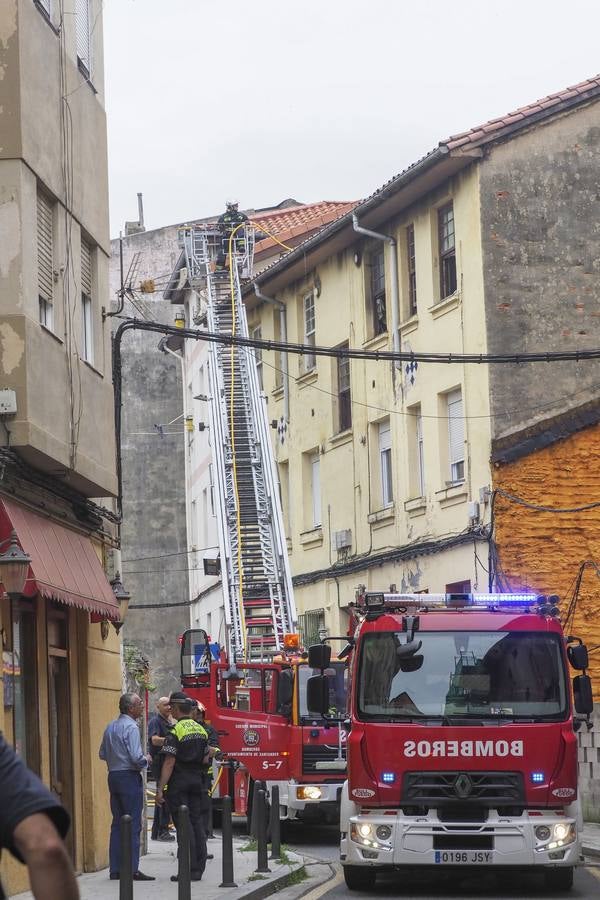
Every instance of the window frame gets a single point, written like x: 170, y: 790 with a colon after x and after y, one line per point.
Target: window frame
x: 344, y: 392
x: 456, y: 436
x: 315, y: 490
x: 87, y: 329
x: 447, y: 250
x: 411, y: 269
x: 377, y: 291
x: 45, y: 258
x: 256, y: 335
x: 309, y: 325
x: 420, y: 453
x: 385, y: 463
x: 83, y: 35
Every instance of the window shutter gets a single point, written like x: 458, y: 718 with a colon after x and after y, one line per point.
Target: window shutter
x: 82, y: 29
x: 44, y: 233
x: 86, y: 269
x: 385, y: 436
x: 456, y: 427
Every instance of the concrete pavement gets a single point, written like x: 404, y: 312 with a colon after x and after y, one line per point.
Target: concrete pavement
x: 591, y: 839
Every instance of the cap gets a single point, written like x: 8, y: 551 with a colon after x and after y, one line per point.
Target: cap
x: 178, y: 697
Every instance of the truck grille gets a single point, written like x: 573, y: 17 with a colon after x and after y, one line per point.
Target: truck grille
x: 314, y: 753
x: 491, y: 789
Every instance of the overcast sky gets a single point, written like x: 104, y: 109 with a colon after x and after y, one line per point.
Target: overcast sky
x: 314, y: 99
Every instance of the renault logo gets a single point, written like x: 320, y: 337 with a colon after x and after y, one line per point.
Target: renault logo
x: 463, y: 786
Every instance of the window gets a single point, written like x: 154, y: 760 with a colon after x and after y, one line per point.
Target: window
x: 284, y: 496
x: 21, y: 689
x: 315, y: 470
x: 45, y: 259
x: 87, y: 346
x: 257, y: 336
x: 212, y: 489
x: 309, y: 625
x: 278, y: 353
x: 456, y: 436
x: 447, y: 250
x: 376, y: 269
x: 344, y: 396
x: 385, y: 462
x: 411, y: 270
x: 83, y: 34
x: 420, y: 454
x: 310, y: 359
x: 459, y: 587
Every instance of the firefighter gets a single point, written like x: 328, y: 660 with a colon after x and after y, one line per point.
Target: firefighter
x: 185, y: 752
x: 226, y: 223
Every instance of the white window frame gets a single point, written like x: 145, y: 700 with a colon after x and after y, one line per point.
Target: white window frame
x: 456, y: 436
x: 45, y: 259
x: 420, y: 454
x: 87, y: 329
x: 257, y: 336
x: 315, y: 484
x: 308, y: 317
x: 83, y: 34
x: 46, y: 313
x: 385, y: 464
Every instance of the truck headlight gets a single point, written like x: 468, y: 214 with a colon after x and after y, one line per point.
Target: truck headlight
x: 542, y: 832
x: 309, y: 792
x: 561, y: 831
x: 383, y: 832
x: 365, y: 830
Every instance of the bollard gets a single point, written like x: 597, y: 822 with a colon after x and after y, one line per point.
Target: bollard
x: 126, y: 874
x: 275, y: 824
x: 184, y: 874
x: 261, y: 832
x: 210, y: 818
x: 227, y: 840
x: 258, y: 786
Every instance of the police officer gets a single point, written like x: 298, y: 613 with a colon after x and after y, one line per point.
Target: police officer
x: 207, y: 771
x: 226, y: 223
x: 185, y: 752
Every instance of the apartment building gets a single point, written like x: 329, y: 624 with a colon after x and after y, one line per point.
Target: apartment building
x: 61, y: 675
x: 483, y: 245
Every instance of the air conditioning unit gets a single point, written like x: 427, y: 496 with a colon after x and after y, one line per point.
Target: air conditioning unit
x: 342, y: 539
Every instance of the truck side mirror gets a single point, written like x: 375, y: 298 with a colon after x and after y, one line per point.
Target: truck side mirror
x: 319, y: 656
x: 578, y: 656
x: 582, y: 694
x: 317, y: 694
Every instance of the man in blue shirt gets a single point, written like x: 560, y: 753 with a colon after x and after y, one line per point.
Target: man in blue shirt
x: 121, y: 748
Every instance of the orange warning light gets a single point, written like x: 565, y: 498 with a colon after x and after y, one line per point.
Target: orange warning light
x: 291, y: 641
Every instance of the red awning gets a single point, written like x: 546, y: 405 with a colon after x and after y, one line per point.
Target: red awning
x: 64, y: 565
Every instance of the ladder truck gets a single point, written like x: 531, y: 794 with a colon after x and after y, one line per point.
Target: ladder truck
x: 254, y: 688
x: 462, y: 747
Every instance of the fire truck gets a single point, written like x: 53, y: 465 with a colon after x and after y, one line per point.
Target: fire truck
x: 254, y: 687
x: 462, y: 746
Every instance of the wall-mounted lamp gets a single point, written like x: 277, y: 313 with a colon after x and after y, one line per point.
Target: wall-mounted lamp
x: 189, y: 423
x: 317, y: 285
x: 180, y: 319
x: 14, y: 566
x: 357, y: 257
x: 123, y: 596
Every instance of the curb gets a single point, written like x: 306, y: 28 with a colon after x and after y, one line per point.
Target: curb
x: 270, y: 885
x: 593, y: 851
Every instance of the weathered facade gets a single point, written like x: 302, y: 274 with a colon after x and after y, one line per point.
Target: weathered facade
x: 61, y: 664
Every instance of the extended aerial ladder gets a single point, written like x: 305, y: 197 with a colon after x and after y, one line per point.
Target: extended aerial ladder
x: 257, y: 585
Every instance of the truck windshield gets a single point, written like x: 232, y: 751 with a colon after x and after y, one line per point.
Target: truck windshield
x: 338, y: 678
x: 479, y: 675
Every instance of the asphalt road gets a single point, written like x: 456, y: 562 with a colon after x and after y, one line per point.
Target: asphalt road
x: 321, y: 843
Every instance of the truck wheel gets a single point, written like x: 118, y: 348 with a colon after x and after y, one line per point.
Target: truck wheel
x: 559, y: 879
x: 359, y: 879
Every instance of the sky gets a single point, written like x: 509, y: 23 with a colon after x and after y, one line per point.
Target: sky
x: 314, y: 99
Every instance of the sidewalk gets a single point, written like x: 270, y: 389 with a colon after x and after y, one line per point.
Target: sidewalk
x: 590, y: 839
x: 161, y: 861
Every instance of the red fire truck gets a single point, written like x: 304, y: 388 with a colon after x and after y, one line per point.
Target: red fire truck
x: 462, y: 747
x: 260, y: 713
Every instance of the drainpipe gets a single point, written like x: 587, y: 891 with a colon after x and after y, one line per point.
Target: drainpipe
x: 284, y: 357
x: 394, y: 278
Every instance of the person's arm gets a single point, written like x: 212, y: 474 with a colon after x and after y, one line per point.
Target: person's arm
x: 165, y: 774
x: 155, y: 739
x: 133, y: 743
x: 44, y: 852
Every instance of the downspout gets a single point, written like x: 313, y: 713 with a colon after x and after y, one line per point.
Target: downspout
x: 394, y: 278
x: 284, y: 357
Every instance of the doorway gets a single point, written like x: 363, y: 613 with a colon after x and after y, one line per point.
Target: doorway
x: 59, y: 705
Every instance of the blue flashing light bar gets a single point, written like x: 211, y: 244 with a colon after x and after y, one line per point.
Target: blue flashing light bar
x: 537, y: 778
x: 388, y: 777
x: 378, y: 601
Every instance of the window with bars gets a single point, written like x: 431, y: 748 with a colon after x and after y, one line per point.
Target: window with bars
x: 376, y: 269
x: 87, y: 320
x: 344, y: 397
x: 447, y: 250
x: 456, y: 436
x: 411, y: 270
x: 310, y: 360
x: 385, y: 463
x: 257, y: 336
x: 45, y: 249
x: 83, y: 34
x: 309, y: 624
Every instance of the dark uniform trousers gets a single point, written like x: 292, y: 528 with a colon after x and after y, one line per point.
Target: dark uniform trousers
x: 190, y: 789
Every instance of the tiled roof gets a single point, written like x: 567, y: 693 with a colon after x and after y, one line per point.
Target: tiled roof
x: 524, y: 115
x: 299, y: 221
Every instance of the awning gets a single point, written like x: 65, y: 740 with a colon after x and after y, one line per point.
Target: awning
x: 64, y: 565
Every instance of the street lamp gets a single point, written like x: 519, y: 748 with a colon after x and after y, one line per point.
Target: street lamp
x: 123, y: 596
x: 14, y: 565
